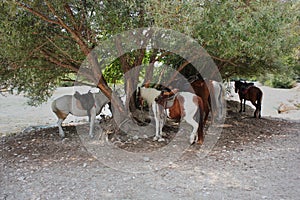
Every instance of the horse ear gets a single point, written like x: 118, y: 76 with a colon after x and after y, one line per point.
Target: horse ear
x: 147, y: 84
x: 174, y: 91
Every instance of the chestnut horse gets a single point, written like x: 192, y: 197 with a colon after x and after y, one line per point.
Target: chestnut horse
x: 180, y: 106
x: 247, y: 91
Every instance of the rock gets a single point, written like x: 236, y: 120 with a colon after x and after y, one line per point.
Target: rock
x: 286, y: 107
x: 146, y: 159
x: 145, y: 136
x: 135, y: 137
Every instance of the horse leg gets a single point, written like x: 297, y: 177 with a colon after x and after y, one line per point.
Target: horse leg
x: 161, y: 125
x: 258, y: 115
x: 241, y: 106
x: 158, y: 122
x: 256, y: 109
x: 244, y: 105
x: 206, y: 110
x: 194, y: 135
x: 60, y: 130
x: 92, y: 118
x: 200, y: 128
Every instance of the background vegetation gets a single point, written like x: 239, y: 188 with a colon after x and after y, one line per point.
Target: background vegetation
x: 45, y: 42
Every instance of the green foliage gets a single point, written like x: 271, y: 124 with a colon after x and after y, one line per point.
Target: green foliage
x: 245, y: 38
x: 113, y: 73
x: 285, y: 79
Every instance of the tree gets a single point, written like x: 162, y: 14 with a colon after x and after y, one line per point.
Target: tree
x: 243, y: 37
x: 46, y: 41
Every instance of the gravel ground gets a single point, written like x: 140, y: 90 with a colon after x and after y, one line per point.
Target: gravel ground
x: 253, y: 159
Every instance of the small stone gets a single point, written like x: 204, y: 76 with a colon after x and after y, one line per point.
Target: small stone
x: 22, y: 178
x: 135, y: 137
x: 146, y: 159
x: 65, y: 140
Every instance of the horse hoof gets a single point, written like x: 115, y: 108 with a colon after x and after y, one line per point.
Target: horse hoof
x: 161, y: 140
x: 155, y: 138
x: 193, y: 139
x: 62, y: 135
x: 200, y: 142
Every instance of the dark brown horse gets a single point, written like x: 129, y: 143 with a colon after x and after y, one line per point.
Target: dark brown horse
x: 247, y: 91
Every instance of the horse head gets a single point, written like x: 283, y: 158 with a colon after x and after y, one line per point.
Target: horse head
x: 166, y: 98
x: 237, y: 85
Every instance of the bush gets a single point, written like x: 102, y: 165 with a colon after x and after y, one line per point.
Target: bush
x: 284, y: 80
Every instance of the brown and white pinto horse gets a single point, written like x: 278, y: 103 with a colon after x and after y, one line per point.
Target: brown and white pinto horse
x: 211, y: 93
x: 180, y: 106
x: 247, y: 91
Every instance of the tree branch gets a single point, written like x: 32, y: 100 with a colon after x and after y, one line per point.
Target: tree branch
x: 64, y: 52
x: 43, y: 17
x: 56, y: 61
x: 224, y: 60
x: 71, y: 15
x: 74, y: 33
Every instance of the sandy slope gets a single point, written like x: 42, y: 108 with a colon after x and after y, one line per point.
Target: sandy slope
x: 16, y: 115
x: 273, y: 97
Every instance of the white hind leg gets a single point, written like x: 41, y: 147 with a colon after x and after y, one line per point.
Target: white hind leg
x: 194, y: 124
x: 61, y: 131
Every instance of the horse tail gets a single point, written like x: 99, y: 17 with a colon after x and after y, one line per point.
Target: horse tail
x: 259, y: 101
x: 53, y: 106
x: 201, y: 121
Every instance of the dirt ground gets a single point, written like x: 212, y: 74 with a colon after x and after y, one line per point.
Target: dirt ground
x: 252, y: 159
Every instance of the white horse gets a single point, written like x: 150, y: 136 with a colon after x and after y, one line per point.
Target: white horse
x: 68, y: 104
x: 149, y: 94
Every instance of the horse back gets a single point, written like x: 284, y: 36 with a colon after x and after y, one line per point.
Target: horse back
x: 253, y: 93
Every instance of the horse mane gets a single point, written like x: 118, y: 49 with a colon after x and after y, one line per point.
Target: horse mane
x: 87, y: 101
x: 156, y: 86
